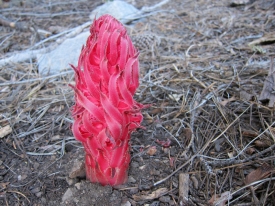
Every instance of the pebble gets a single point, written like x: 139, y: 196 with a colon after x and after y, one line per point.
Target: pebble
x: 70, y: 181
x: 77, y: 185
x: 164, y: 199
x: 126, y: 204
x: 78, y: 169
x: 67, y: 195
x: 131, y: 179
x: 43, y: 200
x: 173, y: 151
x: 135, y: 164
x: 133, y: 191
x: 36, y: 165
x: 35, y: 190
x: 38, y: 194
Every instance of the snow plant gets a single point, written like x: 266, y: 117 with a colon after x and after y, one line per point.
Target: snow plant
x: 105, y: 113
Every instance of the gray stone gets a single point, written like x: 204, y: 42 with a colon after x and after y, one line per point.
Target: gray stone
x: 121, y: 10
x: 164, y: 199
x: 38, y: 194
x: 127, y: 203
x: 131, y: 179
x: 68, y: 195
x: 59, y: 59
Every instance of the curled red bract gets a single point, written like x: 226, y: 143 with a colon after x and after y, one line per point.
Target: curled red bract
x: 105, y: 113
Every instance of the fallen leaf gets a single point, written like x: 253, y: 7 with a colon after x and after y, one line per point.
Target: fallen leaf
x: 250, y: 150
x: 4, y: 131
x: 220, y: 200
x: 156, y: 194
x: 264, y: 143
x: 249, y: 133
x: 260, y: 173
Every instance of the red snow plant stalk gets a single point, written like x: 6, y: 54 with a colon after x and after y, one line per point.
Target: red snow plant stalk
x: 105, y: 113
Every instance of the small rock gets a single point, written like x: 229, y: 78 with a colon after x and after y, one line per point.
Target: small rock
x: 43, y: 200
x: 126, y: 204
x: 165, y: 199
x: 60, y: 58
x: 35, y: 190
x: 121, y: 10
x: 155, y: 203
x: 133, y: 191
x: 166, y: 150
x: 135, y: 164
x: 53, y: 158
x: 78, y: 169
x: 171, y: 202
x: 173, y: 151
x: 70, y: 181
x: 76, y: 200
x: 21, y: 177
x: 38, y: 194
x: 142, y: 167
x: 55, y: 137
x: 77, y: 185
x: 36, y: 165
x: 152, y: 150
x: 68, y: 195
x: 131, y: 179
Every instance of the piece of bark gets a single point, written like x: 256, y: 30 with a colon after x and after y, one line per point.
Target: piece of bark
x: 13, y: 24
x: 183, y: 188
x: 4, y: 131
x: 268, y: 92
x: 154, y: 195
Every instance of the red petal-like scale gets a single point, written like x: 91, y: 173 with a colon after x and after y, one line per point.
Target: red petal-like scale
x: 89, y: 106
x: 110, y: 109
x: 91, y: 87
x: 113, y: 126
x: 123, y: 53
x: 104, y: 69
x: 76, y: 132
x: 119, y: 155
x: 129, y: 71
x: 105, y: 112
x: 113, y: 90
x: 112, y: 56
x: 103, y: 162
x: 126, y: 95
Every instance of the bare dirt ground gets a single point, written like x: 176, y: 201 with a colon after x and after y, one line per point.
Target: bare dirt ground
x: 207, y: 66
